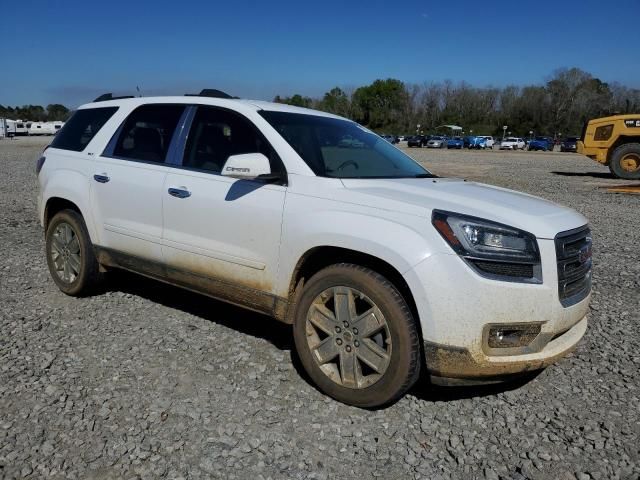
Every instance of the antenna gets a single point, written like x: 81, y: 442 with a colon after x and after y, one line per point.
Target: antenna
x: 139, y: 92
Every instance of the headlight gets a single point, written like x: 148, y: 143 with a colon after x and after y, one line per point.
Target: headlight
x: 494, y: 250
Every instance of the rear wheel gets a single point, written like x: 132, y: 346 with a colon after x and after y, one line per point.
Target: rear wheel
x: 70, y: 256
x: 356, y: 336
x: 625, y: 161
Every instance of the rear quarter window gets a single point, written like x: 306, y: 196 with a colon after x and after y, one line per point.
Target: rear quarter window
x: 81, y: 128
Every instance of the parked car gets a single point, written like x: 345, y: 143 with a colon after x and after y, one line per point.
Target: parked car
x: 569, y: 144
x: 475, y: 142
x: 489, y: 141
x: 437, y: 142
x: 455, y: 142
x: 416, y: 141
x: 541, y: 143
x: 512, y: 143
x: 390, y: 138
x: 382, y: 268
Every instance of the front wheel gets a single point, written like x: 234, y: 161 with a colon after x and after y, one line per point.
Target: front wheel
x: 70, y: 256
x: 356, y: 336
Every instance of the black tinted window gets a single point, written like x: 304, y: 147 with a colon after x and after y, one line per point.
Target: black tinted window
x: 147, y: 132
x: 82, y: 127
x: 217, y: 134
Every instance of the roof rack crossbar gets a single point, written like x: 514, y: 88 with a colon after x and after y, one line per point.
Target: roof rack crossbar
x: 109, y: 96
x: 210, y: 92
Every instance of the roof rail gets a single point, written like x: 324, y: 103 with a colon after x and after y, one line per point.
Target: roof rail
x: 109, y: 96
x: 210, y: 92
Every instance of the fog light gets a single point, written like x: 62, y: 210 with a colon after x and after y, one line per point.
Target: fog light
x: 513, y: 336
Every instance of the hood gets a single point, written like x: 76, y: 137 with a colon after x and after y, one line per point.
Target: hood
x: 540, y: 217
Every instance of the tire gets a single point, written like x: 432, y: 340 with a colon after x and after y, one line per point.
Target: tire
x: 80, y: 274
x: 625, y: 161
x: 397, y: 337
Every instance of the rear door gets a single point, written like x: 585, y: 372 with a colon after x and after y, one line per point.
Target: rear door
x: 127, y: 182
x: 217, y: 227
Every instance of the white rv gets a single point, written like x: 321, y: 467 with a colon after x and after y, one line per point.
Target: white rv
x: 9, y: 128
x: 44, y: 128
x: 21, y: 127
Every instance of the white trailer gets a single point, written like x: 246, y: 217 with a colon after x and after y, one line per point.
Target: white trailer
x: 9, y: 128
x: 44, y: 128
x: 21, y: 128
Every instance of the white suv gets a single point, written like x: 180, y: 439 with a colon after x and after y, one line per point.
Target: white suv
x: 382, y: 268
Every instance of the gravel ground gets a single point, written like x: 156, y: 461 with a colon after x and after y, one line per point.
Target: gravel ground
x: 149, y: 381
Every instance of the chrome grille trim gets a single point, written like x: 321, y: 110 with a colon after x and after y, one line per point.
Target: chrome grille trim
x: 573, y: 255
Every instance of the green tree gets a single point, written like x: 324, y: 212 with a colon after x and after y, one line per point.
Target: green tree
x: 295, y: 100
x: 336, y: 101
x: 380, y: 105
x: 56, y: 111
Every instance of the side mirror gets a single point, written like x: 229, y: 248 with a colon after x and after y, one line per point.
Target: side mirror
x: 246, y: 166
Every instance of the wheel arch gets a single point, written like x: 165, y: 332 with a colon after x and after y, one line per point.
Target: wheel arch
x: 55, y: 205
x: 67, y: 189
x: 319, y: 257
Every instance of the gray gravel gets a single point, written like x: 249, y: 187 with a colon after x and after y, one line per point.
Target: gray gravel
x: 148, y: 381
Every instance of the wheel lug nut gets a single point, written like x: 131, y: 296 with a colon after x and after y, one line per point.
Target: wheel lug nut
x: 346, y: 324
x: 338, y: 329
x: 339, y: 341
x: 356, y: 343
x: 355, y: 331
x: 348, y: 348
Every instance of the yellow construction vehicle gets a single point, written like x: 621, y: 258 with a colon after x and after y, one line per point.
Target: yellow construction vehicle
x: 614, y: 141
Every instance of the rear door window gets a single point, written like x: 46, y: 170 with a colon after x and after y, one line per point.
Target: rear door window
x: 81, y: 128
x: 147, y: 133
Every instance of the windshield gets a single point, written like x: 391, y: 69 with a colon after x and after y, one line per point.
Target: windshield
x: 342, y: 149
x: 511, y: 139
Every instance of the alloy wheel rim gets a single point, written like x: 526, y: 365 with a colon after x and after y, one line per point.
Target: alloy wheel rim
x: 65, y: 253
x: 348, y: 337
x: 630, y: 163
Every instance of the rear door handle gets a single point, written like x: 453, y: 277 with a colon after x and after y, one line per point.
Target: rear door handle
x: 181, y: 192
x: 101, y: 177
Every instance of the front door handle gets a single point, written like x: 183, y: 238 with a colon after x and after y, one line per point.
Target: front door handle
x: 181, y: 192
x: 101, y: 177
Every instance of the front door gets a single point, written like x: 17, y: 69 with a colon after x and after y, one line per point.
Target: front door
x: 224, y: 232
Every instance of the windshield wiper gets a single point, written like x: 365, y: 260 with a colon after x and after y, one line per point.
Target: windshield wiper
x: 425, y: 175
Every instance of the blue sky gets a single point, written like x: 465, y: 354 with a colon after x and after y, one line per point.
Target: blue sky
x: 69, y: 51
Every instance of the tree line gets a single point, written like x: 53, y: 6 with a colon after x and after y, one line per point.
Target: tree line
x: 559, y: 107
x: 36, y: 113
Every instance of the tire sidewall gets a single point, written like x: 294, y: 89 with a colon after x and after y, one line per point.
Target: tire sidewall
x: 401, y: 328
x: 618, y: 154
x: 77, y: 224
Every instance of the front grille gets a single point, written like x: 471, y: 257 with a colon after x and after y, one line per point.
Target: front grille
x: 573, y: 253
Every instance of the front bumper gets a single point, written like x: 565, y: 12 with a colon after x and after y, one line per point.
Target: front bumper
x: 594, y: 153
x: 454, y: 362
x: 456, y: 305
